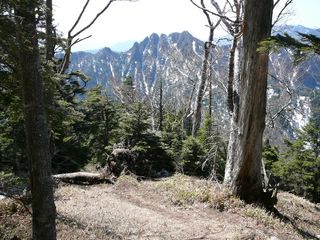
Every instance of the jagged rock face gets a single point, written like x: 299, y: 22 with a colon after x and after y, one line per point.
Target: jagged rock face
x: 156, y: 57
x: 176, y: 60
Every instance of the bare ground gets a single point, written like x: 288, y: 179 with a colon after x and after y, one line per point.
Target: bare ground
x: 178, y: 207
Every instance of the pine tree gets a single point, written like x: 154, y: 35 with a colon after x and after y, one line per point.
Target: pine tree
x: 306, y: 45
x: 191, y: 156
x: 214, y: 158
x: 298, y: 168
x: 100, y: 124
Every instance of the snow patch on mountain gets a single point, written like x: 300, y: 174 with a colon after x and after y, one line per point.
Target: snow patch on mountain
x: 302, y: 113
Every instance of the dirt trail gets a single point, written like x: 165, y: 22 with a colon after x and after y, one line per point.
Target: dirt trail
x: 142, y: 211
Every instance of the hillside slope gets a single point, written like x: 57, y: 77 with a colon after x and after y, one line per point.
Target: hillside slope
x: 178, y: 207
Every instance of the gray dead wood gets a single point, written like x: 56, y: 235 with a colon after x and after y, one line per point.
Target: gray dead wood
x: 83, y: 178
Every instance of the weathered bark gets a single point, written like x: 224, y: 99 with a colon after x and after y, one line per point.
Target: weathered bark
x: 187, y: 116
x: 243, y: 169
x: 36, y: 128
x: 83, y: 178
x: 231, y: 75
x: 49, y: 31
x: 210, y: 90
x: 200, y: 94
x: 204, y: 74
x: 161, y: 106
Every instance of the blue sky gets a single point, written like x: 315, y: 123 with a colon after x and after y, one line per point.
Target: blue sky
x: 125, y: 20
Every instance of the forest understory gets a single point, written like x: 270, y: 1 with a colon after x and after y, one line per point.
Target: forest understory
x: 177, y: 207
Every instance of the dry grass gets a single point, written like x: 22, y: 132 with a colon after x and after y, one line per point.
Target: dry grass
x: 178, y: 207
x: 185, y: 191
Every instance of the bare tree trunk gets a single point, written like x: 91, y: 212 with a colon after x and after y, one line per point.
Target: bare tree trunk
x: 231, y: 76
x: 243, y: 170
x: 204, y: 72
x: 161, y: 106
x: 200, y: 94
x: 36, y: 128
x: 210, y: 89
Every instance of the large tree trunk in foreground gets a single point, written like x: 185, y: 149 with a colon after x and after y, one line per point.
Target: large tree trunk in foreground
x: 43, y: 208
x: 243, y: 170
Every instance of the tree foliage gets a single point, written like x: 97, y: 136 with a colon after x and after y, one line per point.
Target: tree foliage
x: 297, y: 169
x: 306, y: 45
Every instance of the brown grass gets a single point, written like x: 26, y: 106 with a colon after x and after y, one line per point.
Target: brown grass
x: 178, y: 207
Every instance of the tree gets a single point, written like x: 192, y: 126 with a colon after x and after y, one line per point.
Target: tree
x: 208, y: 46
x: 191, y: 156
x: 297, y: 169
x: 73, y: 38
x: 100, y: 122
x: 243, y: 169
x: 214, y: 158
x: 36, y: 127
x: 307, y: 45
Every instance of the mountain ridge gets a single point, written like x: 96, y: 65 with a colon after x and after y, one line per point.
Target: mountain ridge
x: 176, y: 60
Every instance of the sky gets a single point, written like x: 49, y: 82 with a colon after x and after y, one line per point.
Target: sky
x: 133, y: 21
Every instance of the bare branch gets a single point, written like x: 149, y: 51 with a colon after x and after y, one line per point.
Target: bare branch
x: 80, y: 40
x: 206, y: 13
x: 213, y: 13
x: 276, y: 3
x: 79, y: 18
x: 281, y: 13
x: 230, y: 5
x: 285, y: 106
x: 70, y: 42
x: 211, y: 26
x: 224, y: 20
x: 94, y: 19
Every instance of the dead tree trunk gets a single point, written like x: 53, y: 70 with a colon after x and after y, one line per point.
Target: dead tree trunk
x: 83, y: 178
x: 243, y: 169
x: 161, y: 106
x: 201, y: 88
x: 204, y: 72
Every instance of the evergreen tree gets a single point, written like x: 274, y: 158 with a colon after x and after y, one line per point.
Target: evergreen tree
x: 99, y: 124
x: 12, y: 137
x: 215, y: 150
x: 192, y: 154
x: 297, y: 169
x: 172, y: 137
x: 270, y: 155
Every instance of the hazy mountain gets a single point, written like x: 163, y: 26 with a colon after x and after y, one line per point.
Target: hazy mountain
x: 176, y: 60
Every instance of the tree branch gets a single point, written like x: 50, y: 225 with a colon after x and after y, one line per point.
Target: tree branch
x: 281, y: 13
x: 213, y: 13
x: 224, y: 20
x: 80, y: 40
x: 78, y: 19
x: 70, y: 43
x: 94, y: 19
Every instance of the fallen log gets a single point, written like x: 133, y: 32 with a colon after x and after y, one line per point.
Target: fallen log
x: 83, y: 178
